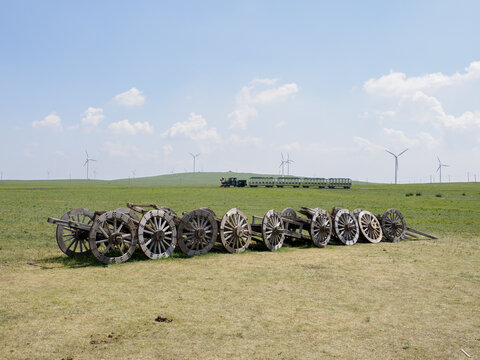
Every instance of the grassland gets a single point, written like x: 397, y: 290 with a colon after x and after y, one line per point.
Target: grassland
x: 413, y: 299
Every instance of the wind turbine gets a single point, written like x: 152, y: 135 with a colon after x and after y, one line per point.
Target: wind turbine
x: 194, y: 157
x: 396, y: 162
x: 440, y: 165
x: 288, y: 162
x: 282, y: 164
x: 87, y: 161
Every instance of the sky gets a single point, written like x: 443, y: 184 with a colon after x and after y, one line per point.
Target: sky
x: 140, y: 85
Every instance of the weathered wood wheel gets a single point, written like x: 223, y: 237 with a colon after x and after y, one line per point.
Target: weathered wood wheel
x: 157, y: 234
x: 369, y: 226
x: 235, y: 231
x: 112, y: 237
x: 128, y: 211
x: 74, y: 241
x: 197, y: 232
x: 393, y: 225
x: 273, y: 232
x: 346, y: 226
x: 169, y: 210
x: 288, y: 213
x: 321, y: 228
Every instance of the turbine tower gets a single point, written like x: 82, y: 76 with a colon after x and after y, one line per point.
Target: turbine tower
x: 396, y: 161
x: 440, y: 165
x: 87, y: 161
x: 194, y: 158
x: 282, y: 164
x: 288, y: 162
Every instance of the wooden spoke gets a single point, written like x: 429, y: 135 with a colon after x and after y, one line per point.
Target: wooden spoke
x: 161, y: 237
x: 369, y: 226
x: 74, y: 241
x: 112, y: 237
x: 393, y: 225
x: 321, y: 228
x: 235, y: 231
x: 197, y: 232
x: 345, y: 226
x: 273, y: 231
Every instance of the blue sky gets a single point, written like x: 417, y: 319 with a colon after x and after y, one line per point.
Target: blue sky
x: 142, y: 84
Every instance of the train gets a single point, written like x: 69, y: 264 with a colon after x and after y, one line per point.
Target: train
x: 296, y: 182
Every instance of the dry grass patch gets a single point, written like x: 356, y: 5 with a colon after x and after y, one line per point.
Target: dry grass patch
x: 414, y: 299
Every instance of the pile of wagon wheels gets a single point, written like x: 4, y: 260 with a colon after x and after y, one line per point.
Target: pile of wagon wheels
x: 158, y: 231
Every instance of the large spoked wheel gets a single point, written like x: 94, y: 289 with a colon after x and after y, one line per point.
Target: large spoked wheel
x: 321, y: 228
x: 273, y: 231
x: 128, y: 212
x: 112, y: 237
x: 74, y: 241
x: 393, y: 225
x: 157, y: 234
x: 346, y: 227
x: 235, y: 231
x: 197, y: 232
x: 370, y: 226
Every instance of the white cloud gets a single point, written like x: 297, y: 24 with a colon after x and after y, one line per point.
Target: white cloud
x: 51, y: 121
x: 398, y: 84
x: 194, y: 128
x: 240, y: 116
x: 132, y: 97
x: 399, y: 136
x: 92, y: 117
x: 367, y: 145
x: 251, y: 95
x: 428, y: 108
x: 124, y: 127
x: 167, y: 149
x: 280, y: 124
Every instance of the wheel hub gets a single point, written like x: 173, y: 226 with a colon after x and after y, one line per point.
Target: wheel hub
x: 159, y: 235
x: 200, y: 234
x: 238, y: 232
x: 115, y: 239
x: 276, y: 231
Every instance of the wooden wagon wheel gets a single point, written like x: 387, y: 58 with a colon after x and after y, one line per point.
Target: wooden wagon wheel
x: 128, y: 212
x: 74, y: 241
x: 235, y: 231
x: 321, y: 228
x: 157, y: 234
x: 197, y: 232
x: 170, y: 211
x: 346, y: 227
x: 393, y: 225
x: 288, y: 213
x: 273, y: 231
x: 112, y: 237
x: 369, y: 226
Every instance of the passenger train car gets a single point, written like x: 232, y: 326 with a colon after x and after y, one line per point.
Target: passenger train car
x: 296, y: 182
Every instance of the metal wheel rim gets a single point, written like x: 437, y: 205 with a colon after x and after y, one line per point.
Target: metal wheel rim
x: 370, y: 226
x: 157, y: 234
x: 321, y: 228
x: 235, y: 231
x: 189, y: 240
x: 288, y: 213
x: 346, y: 227
x: 71, y: 241
x: 393, y: 225
x: 112, y: 237
x: 273, y: 230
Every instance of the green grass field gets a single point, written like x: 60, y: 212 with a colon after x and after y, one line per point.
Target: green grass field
x: 413, y: 299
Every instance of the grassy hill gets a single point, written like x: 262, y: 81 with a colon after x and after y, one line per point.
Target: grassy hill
x: 180, y: 179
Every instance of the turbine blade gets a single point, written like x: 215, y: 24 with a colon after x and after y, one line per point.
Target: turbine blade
x: 85, y: 163
x: 439, y: 167
x: 402, y: 152
x: 391, y: 153
x: 282, y: 156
